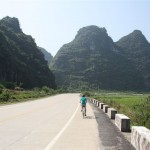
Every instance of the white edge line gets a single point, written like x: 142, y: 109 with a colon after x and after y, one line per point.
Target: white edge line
x: 54, y: 140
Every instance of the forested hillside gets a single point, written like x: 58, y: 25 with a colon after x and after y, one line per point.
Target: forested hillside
x: 21, y: 62
x: 136, y: 48
x: 48, y: 57
x: 93, y: 61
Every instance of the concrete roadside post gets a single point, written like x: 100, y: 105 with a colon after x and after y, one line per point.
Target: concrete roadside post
x: 101, y: 105
x: 122, y: 122
x: 111, y: 113
x: 98, y: 103
x: 105, y: 108
x: 140, y: 137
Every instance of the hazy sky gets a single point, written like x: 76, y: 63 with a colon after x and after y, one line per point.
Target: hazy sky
x: 53, y: 23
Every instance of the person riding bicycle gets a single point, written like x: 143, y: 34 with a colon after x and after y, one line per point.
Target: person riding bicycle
x: 83, y: 102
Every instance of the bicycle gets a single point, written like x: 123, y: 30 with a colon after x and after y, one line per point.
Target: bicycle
x: 83, y: 111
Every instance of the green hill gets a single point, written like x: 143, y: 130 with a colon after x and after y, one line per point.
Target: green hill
x: 93, y: 61
x: 136, y: 48
x: 21, y: 61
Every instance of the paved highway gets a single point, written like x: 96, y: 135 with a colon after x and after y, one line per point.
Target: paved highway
x: 53, y: 123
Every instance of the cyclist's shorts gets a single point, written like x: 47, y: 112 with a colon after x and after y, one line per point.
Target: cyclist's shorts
x: 83, y: 105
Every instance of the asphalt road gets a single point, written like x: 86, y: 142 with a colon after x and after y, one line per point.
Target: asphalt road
x: 53, y: 123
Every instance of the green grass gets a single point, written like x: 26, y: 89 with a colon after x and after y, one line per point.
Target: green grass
x: 12, y: 96
x: 135, y: 106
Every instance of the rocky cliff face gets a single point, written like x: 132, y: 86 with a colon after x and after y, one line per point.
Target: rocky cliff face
x: 21, y: 61
x: 92, y: 60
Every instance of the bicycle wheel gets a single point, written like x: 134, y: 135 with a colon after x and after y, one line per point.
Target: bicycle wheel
x: 83, y: 111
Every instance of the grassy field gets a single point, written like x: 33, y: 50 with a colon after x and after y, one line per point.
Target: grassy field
x: 135, y: 106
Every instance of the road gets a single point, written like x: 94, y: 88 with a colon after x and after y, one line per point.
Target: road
x: 53, y: 123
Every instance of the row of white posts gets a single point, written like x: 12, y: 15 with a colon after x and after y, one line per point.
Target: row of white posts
x: 140, y: 136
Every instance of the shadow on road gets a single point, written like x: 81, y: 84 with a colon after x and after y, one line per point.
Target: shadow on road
x: 89, y: 117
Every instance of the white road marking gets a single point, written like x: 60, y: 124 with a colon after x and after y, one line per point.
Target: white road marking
x: 54, y: 140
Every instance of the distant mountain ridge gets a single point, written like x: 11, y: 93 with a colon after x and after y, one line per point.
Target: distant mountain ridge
x: 92, y: 60
x: 21, y: 61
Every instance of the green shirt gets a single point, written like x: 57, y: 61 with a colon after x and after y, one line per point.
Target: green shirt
x: 83, y: 100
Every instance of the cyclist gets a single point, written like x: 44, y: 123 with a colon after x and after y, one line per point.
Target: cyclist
x: 83, y: 102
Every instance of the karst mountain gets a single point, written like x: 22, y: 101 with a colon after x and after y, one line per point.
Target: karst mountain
x: 21, y: 62
x: 91, y: 61
x: 94, y: 61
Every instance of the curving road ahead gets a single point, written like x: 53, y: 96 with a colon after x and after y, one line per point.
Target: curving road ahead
x: 53, y: 123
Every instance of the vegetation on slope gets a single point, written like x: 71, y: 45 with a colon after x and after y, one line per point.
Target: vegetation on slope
x: 137, y: 50
x: 21, y: 62
x: 93, y: 61
x: 48, y: 57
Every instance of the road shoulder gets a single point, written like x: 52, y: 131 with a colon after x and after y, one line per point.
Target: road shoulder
x: 110, y: 136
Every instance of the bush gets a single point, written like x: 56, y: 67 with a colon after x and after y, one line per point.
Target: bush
x: 87, y: 94
x: 61, y: 90
x: 1, y: 88
x: 36, y: 89
x: 18, y: 88
x: 5, y: 96
x: 45, y: 89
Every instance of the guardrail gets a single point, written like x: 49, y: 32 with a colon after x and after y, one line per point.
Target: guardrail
x: 140, y: 136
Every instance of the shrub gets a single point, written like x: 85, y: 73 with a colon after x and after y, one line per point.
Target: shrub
x: 1, y: 88
x: 18, y: 88
x: 45, y: 89
x: 61, y: 90
x: 88, y: 94
x: 5, y: 96
x: 36, y: 89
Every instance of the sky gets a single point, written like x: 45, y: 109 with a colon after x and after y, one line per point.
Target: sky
x: 53, y: 23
